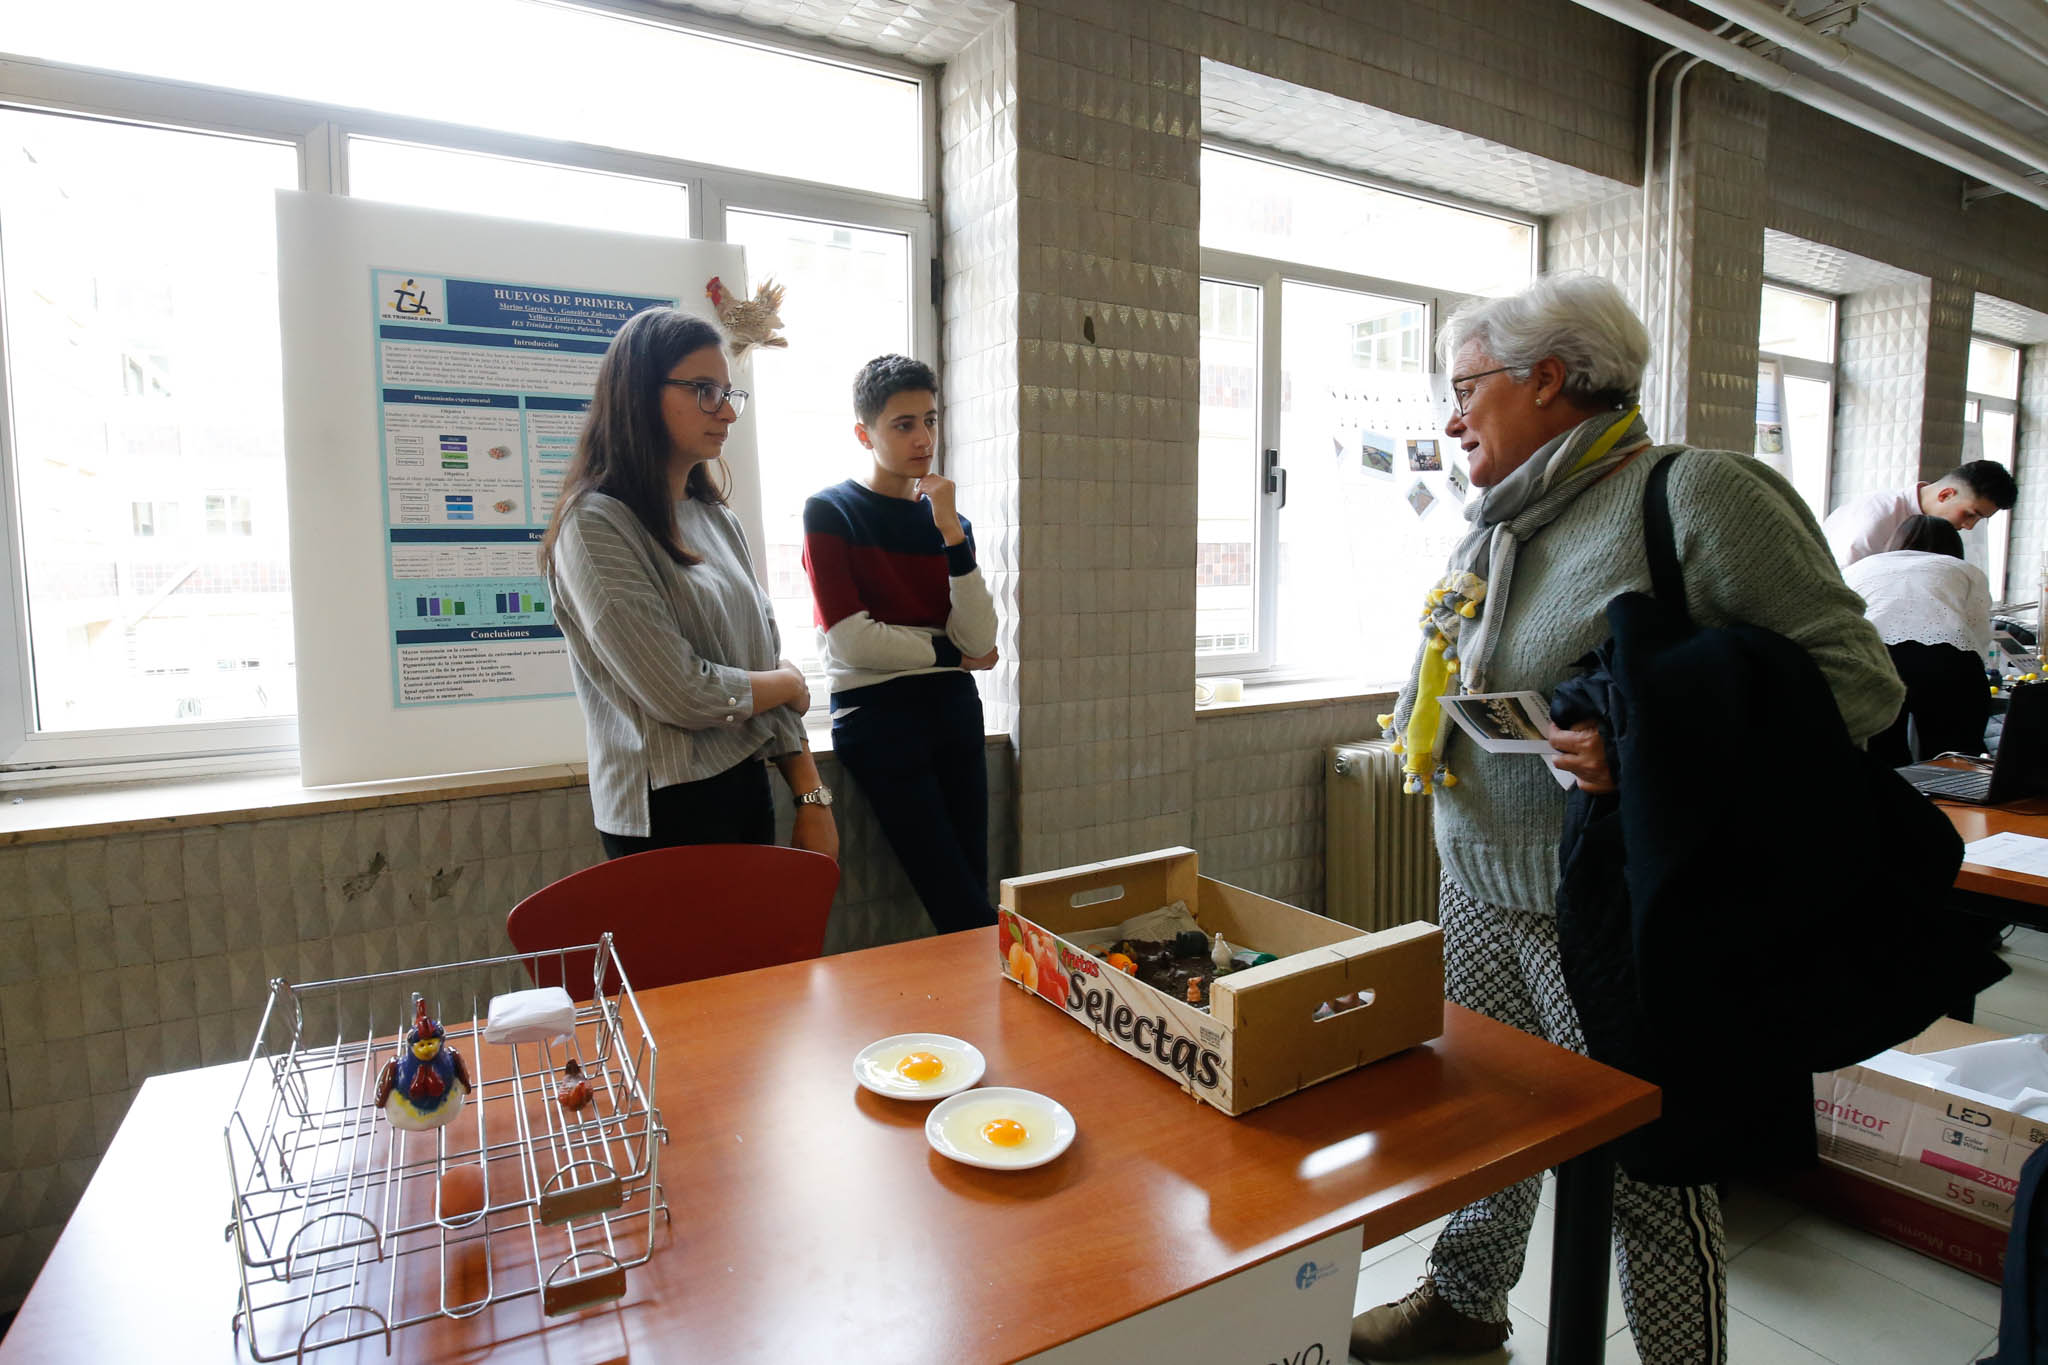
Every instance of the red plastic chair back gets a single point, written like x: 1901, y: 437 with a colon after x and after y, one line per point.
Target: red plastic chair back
x: 680, y: 914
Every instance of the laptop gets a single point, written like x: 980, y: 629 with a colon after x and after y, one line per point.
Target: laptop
x: 2019, y: 769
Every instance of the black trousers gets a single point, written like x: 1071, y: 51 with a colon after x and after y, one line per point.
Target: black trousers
x: 735, y: 807
x: 914, y: 748
x: 1947, y: 698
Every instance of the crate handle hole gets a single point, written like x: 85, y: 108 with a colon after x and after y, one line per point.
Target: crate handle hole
x: 1095, y: 897
x: 1343, y: 1004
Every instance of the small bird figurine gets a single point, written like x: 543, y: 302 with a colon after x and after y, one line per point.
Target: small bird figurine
x: 424, y: 1086
x: 750, y: 322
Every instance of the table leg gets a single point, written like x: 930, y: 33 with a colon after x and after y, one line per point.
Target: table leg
x: 1578, y: 1259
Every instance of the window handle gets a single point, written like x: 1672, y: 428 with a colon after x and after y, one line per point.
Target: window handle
x: 1276, y: 477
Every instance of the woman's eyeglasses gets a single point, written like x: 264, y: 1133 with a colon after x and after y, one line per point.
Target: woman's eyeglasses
x: 1462, y: 386
x: 711, y: 397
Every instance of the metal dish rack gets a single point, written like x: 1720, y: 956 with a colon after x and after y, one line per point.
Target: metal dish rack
x: 337, y: 1226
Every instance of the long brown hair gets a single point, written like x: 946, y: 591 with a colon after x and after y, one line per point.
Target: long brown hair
x: 623, y: 449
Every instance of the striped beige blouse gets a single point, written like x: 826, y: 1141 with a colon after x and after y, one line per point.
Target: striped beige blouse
x: 660, y: 653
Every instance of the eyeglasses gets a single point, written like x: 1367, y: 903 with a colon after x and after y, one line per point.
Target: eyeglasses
x: 711, y: 397
x: 1463, y: 396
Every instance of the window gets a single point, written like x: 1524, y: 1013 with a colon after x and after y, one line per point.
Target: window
x: 1991, y: 432
x: 1328, y: 499
x: 1795, y: 390
x: 142, y: 365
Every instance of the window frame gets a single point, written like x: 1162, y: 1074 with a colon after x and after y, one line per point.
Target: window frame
x: 320, y: 135
x: 1270, y: 277
x: 1798, y: 367
x: 1991, y: 402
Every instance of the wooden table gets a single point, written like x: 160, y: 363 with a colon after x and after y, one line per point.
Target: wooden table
x: 812, y: 1221
x: 2024, y: 898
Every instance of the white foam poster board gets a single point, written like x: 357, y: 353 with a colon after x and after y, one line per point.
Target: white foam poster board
x: 436, y: 370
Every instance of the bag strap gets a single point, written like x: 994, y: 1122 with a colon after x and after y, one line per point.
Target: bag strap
x: 1667, y: 579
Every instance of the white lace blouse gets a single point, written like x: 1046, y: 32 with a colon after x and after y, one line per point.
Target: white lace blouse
x: 1912, y: 595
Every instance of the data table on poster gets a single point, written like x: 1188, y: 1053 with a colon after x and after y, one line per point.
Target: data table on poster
x: 483, y: 386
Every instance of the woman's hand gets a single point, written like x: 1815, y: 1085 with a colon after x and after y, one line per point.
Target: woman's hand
x: 816, y: 832
x: 975, y: 662
x: 801, y: 700
x: 1583, y: 754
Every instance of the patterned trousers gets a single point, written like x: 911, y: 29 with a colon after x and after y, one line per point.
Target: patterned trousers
x: 1504, y: 963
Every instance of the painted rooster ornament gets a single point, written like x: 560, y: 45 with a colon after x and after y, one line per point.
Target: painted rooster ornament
x: 749, y: 322
x: 424, y: 1086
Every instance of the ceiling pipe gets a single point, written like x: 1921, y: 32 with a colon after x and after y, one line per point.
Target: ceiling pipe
x: 1937, y: 51
x: 1874, y: 73
x: 1647, y: 18
x: 1999, y: 29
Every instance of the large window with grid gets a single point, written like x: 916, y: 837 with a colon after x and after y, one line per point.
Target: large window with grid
x: 1795, y: 390
x: 1991, y: 422
x: 145, y: 587
x: 1328, y: 497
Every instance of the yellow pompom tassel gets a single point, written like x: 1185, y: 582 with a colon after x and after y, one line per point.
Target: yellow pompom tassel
x: 1398, y: 748
x: 1388, y: 719
x: 1468, y: 610
x: 1450, y: 665
x: 1450, y: 780
x: 1437, y: 643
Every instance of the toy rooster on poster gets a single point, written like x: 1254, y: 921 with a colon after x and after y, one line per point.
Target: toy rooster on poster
x: 749, y: 322
x: 424, y: 1086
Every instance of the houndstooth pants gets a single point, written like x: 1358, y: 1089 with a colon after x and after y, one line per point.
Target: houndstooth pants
x: 1504, y: 963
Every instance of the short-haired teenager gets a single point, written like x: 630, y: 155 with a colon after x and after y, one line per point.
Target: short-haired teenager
x: 1962, y: 497
x: 903, y: 617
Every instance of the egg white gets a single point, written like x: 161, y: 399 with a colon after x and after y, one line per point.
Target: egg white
x: 963, y: 1128
x: 882, y: 1067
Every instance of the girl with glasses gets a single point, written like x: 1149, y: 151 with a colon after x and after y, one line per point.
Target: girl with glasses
x: 672, y: 643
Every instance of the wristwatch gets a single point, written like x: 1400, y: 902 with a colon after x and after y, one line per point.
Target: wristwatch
x: 820, y: 795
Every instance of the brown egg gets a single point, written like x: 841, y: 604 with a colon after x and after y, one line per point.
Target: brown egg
x: 461, y: 1193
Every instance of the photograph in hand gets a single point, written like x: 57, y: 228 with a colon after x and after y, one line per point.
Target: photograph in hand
x: 1503, y: 722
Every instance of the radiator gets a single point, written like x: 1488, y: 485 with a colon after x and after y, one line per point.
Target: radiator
x: 1380, y: 864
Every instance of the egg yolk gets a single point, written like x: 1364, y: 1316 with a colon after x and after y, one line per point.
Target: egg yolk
x: 920, y: 1066
x: 1003, y: 1132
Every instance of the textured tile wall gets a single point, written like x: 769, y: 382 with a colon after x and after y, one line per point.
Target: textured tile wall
x: 1880, y: 389
x: 1259, y: 794
x: 1723, y: 143
x: 2030, y: 514
x: 1949, y: 310
x: 125, y: 956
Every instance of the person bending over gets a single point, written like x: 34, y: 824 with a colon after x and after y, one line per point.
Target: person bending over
x: 1933, y: 612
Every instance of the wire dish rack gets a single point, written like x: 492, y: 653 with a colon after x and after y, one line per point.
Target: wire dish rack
x: 338, y: 1226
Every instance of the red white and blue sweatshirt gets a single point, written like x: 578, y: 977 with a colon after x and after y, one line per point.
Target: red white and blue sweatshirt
x: 893, y: 599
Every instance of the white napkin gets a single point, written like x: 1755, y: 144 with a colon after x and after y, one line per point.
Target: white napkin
x: 536, y: 1016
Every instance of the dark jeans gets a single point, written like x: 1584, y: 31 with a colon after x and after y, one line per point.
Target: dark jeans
x: 734, y: 807
x: 1947, y: 698
x: 914, y: 747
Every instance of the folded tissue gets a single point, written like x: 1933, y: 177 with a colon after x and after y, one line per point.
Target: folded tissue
x: 542, y: 1015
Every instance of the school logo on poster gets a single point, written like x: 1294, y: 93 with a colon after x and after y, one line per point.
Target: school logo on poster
x: 411, y: 298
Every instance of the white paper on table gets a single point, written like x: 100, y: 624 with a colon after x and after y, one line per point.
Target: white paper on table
x: 2013, y: 852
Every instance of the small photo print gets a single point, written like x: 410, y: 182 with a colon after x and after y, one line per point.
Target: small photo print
x: 1460, y: 481
x: 1423, y: 457
x: 1503, y: 722
x: 1376, y: 453
x: 1420, y: 498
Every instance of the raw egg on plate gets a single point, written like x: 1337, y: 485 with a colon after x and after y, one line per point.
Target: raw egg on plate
x: 1001, y: 1128
x: 919, y: 1066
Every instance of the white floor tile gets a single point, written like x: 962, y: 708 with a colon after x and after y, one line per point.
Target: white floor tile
x: 1843, y: 1311
x: 1986, y: 1349
x: 2025, y: 942
x: 2005, y: 1023
x: 1394, y: 1276
x: 1749, y: 1214
x: 2023, y: 995
x: 1937, y: 1280
x: 1425, y: 1236
x: 1752, y: 1343
x: 1372, y: 1255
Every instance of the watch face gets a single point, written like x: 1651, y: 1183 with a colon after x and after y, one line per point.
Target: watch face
x: 821, y: 797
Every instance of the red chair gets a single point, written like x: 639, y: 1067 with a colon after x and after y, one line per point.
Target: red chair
x: 679, y: 914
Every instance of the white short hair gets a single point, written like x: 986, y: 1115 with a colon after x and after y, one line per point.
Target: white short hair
x: 1582, y: 320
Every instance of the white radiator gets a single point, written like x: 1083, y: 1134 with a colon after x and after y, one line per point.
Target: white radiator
x: 1379, y: 865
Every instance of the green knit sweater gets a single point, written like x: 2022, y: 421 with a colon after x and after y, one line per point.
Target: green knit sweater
x: 1752, y: 553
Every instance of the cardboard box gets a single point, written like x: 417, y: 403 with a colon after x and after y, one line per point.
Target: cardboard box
x: 1881, y: 1123
x: 1258, y: 1040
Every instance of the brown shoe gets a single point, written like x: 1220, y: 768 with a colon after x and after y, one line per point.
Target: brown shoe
x: 1422, y: 1324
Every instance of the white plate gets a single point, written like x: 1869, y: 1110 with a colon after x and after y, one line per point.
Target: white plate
x: 1000, y: 1097
x: 884, y: 1081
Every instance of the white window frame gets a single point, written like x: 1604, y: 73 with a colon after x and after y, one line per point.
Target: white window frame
x: 1991, y: 402
x: 1798, y: 367
x: 320, y: 134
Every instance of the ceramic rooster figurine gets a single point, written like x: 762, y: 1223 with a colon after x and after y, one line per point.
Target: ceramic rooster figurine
x: 424, y: 1086
x: 749, y: 322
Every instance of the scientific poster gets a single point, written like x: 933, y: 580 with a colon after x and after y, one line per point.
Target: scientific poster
x: 481, y: 390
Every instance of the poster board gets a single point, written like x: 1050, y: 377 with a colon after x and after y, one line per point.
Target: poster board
x: 435, y: 366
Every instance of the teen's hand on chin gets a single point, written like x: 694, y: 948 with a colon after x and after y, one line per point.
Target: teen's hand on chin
x: 974, y: 663
x: 938, y: 490
x: 816, y: 832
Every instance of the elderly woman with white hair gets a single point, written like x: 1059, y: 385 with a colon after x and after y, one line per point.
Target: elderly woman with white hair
x: 1545, y: 387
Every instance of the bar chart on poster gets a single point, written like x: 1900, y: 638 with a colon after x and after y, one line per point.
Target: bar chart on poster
x: 438, y: 367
